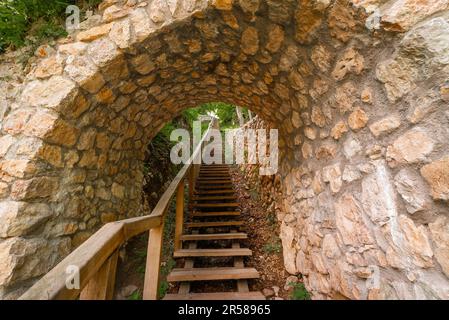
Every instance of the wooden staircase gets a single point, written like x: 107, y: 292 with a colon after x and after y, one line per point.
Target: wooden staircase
x: 214, y: 220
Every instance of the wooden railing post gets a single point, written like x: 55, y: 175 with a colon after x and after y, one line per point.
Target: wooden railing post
x: 191, y: 182
x: 152, y: 274
x: 179, y: 215
x: 101, y: 286
x: 191, y: 187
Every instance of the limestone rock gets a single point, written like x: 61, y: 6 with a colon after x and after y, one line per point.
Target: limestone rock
x: 287, y: 236
x: 121, y: 33
x: 268, y: 293
x: 113, y: 13
x: 318, y: 117
x: 350, y: 62
x: 412, y: 147
x: 19, y: 218
x: 6, y: 142
x: 421, y: 107
x: 250, y: 41
x: 378, y: 196
x: 342, y: 22
x: 367, y: 95
x: 345, y: 96
x: 82, y: 70
x: 385, y: 125
x: 332, y: 174
x: 50, y: 93
x: 351, y: 174
x: 348, y: 216
x: 322, y: 57
x: 398, y: 76
x: 94, y: 33
x: 330, y: 247
x: 25, y: 254
x: 440, y: 236
x: 351, y: 148
x: 49, y: 67
x: 339, y: 130
x: 358, y: 119
x: 35, y: 188
x: 310, y: 133
x: 437, y: 176
x: 249, y: 6
x: 418, y: 242
x: 103, y: 51
x: 412, y: 190
x: 275, y: 38
x: 308, y: 23
x: 401, y: 16
x: 326, y: 151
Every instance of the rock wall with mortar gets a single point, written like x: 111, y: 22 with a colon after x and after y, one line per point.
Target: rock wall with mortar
x: 358, y: 90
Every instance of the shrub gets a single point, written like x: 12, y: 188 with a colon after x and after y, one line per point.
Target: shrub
x: 299, y: 292
x: 42, y: 19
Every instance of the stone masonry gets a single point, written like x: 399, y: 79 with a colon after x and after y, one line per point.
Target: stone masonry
x: 358, y: 89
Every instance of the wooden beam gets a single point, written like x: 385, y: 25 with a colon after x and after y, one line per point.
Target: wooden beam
x: 214, y: 224
x: 189, y: 263
x: 101, y: 285
x: 256, y: 295
x: 179, y: 221
x: 242, y: 284
x: 211, y: 274
x: 211, y: 253
x: 213, y: 236
x: 152, y: 274
x: 88, y: 258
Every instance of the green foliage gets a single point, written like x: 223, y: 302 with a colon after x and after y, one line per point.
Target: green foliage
x: 273, y: 246
x: 271, y: 218
x: 225, y: 112
x: 165, y: 270
x: 38, y: 19
x: 299, y: 292
x: 18, y: 16
x: 135, y: 296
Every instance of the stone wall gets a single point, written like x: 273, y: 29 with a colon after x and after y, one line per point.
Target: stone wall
x: 358, y: 90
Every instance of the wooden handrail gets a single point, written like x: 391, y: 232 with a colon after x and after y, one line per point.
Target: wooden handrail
x: 101, y: 248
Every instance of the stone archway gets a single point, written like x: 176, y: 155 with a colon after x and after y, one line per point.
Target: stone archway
x: 358, y: 95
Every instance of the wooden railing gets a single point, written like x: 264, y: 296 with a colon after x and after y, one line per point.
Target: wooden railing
x: 96, y: 259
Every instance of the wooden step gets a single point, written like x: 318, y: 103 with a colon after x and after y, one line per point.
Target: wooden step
x: 215, y: 181
x: 214, y: 236
x: 214, y: 187
x: 215, y: 178
x: 215, y: 165
x: 214, y: 224
x: 211, y: 274
x: 189, y: 253
x: 221, y: 191
x: 198, y: 214
x: 216, y: 205
x: 214, y: 172
x: 255, y: 295
x: 207, y: 198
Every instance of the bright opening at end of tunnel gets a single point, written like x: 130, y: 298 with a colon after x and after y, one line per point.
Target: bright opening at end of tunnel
x: 233, y: 146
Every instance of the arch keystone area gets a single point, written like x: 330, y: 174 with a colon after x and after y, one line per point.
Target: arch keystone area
x: 357, y: 89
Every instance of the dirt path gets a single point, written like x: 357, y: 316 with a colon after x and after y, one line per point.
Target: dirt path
x: 263, y: 239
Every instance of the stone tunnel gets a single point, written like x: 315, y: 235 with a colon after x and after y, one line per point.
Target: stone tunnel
x: 358, y: 89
